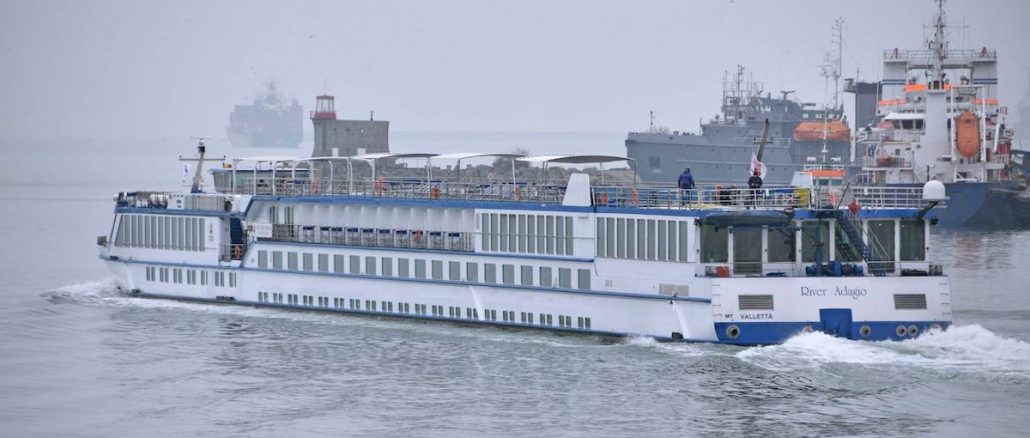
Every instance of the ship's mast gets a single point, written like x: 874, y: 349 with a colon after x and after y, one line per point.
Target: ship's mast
x: 833, y: 62
x: 939, y: 43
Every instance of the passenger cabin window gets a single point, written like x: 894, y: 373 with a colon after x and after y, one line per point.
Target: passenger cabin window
x: 584, y: 279
x: 402, y: 268
x: 490, y: 273
x: 420, y: 268
x: 508, y: 274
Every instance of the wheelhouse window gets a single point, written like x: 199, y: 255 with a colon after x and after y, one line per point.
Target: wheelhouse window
x: 881, y: 245
x: 714, y: 244
x: 815, y: 235
x: 845, y: 249
x: 781, y: 244
x: 913, y: 240
x: 747, y: 250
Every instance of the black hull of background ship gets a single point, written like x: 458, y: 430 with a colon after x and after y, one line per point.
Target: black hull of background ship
x: 269, y: 122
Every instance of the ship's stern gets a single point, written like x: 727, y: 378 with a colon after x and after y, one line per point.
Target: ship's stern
x: 754, y: 311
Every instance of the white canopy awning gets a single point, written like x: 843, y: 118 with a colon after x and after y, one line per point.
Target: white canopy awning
x: 381, y: 155
x: 573, y: 159
x: 465, y: 155
x: 267, y: 158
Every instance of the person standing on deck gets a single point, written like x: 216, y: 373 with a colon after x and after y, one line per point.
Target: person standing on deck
x: 686, y: 182
x: 753, y: 184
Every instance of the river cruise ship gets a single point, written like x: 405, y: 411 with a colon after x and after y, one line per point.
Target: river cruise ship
x: 579, y: 255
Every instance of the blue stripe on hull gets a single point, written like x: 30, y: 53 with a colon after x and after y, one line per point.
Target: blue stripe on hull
x: 764, y: 333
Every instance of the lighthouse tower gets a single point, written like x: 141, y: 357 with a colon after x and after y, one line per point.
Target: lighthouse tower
x: 342, y: 138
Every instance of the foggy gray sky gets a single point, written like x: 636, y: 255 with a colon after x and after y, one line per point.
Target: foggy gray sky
x: 176, y: 68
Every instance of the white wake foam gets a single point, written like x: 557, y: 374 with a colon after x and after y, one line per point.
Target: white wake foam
x: 969, y: 348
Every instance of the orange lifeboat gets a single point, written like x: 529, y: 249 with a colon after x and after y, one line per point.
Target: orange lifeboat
x: 967, y: 134
x: 835, y: 130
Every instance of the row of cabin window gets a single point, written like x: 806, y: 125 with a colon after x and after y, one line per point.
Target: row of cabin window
x: 643, y: 239
x: 543, y: 276
x: 421, y: 309
x: 527, y: 233
x: 189, y: 276
x: 275, y: 218
x: 160, y: 232
x: 781, y: 242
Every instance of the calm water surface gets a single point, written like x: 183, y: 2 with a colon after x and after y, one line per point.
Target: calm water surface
x: 78, y: 359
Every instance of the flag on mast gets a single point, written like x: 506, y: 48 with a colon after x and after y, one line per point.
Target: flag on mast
x: 757, y: 165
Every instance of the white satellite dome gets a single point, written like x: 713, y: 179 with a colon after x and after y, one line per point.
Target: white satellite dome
x: 934, y: 191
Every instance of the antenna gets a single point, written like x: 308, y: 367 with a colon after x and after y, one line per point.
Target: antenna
x: 833, y: 62
x: 198, y: 178
x: 651, y: 129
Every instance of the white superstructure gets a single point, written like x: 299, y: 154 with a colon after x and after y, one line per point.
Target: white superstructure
x: 747, y: 267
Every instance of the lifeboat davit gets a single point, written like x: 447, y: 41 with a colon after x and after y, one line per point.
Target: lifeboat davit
x: 835, y: 130
x: 967, y: 134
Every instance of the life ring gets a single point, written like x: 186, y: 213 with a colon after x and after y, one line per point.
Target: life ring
x: 416, y: 237
x: 434, y: 193
x: 518, y: 193
x: 634, y: 197
x: 603, y: 198
x: 237, y: 252
x: 314, y: 187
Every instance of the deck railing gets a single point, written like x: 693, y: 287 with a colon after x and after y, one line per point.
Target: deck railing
x: 638, y: 195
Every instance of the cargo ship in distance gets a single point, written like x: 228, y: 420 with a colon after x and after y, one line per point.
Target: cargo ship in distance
x: 270, y: 121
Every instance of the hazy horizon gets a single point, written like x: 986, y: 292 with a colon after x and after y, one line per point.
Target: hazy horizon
x: 175, y: 69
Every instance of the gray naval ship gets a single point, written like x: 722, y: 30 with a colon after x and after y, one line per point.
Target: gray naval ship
x: 799, y: 134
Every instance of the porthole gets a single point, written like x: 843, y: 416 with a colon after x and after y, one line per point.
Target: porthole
x: 733, y: 332
x: 865, y: 331
x: 913, y: 331
x: 901, y: 331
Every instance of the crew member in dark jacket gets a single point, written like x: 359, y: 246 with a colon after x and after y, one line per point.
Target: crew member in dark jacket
x: 686, y: 181
x: 755, y: 182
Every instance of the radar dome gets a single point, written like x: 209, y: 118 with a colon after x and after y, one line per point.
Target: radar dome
x: 934, y: 191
